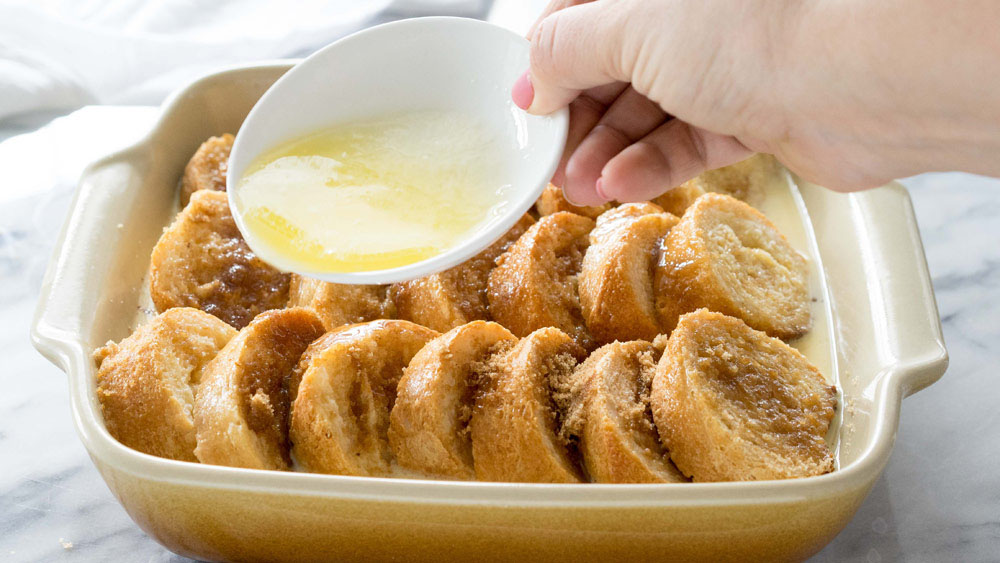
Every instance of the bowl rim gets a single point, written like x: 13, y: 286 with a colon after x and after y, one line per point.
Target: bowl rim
x: 69, y: 350
x: 470, y: 245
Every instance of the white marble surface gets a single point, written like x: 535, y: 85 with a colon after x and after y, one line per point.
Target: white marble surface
x: 939, y: 499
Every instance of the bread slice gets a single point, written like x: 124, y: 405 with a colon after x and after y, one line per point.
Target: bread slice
x: 207, y: 168
x: 734, y: 404
x: 552, y: 201
x: 535, y: 282
x: 611, y: 415
x: 616, y: 276
x: 726, y: 256
x: 676, y: 200
x: 339, y: 304
x: 456, y: 296
x: 346, y: 389
x: 241, y: 408
x: 746, y: 180
x: 146, y: 383
x: 516, y: 426
x: 429, y: 425
x: 202, y: 261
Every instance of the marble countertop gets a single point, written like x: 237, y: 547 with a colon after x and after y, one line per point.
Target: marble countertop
x: 938, y: 500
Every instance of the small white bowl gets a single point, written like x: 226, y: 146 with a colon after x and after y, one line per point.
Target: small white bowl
x: 434, y: 63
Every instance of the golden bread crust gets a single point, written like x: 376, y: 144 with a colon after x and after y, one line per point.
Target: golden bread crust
x: 339, y: 304
x: 516, y: 427
x: 202, y: 261
x: 346, y: 389
x: 734, y: 404
x: 535, y: 282
x: 552, y: 201
x: 456, y: 296
x: 746, y: 180
x: 726, y: 256
x: 676, y: 200
x: 145, y: 383
x: 242, y: 404
x: 626, y: 211
x: 612, y: 417
x: 207, y: 168
x: 616, y: 276
x: 428, y: 429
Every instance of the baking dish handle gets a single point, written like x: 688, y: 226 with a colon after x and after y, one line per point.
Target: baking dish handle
x: 68, y: 298
x: 59, y: 299
x: 902, y: 285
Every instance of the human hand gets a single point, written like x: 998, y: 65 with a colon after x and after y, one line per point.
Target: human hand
x: 662, y: 90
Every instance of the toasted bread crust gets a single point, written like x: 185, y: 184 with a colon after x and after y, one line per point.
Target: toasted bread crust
x: 618, y: 441
x: 456, y: 296
x: 242, y: 404
x: 734, y: 404
x: 202, y: 261
x: 552, y: 201
x: 339, y: 304
x: 145, y: 383
x: 726, y: 256
x: 616, y: 276
x: 535, y: 282
x: 428, y: 428
x: 626, y: 211
x: 207, y: 168
x: 746, y: 180
x: 676, y: 200
x: 516, y: 425
x: 346, y: 388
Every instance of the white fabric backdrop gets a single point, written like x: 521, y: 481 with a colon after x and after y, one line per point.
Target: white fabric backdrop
x: 59, y: 55
x: 63, y: 54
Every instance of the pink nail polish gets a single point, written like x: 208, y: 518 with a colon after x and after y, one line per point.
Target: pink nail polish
x: 523, y: 92
x: 598, y: 187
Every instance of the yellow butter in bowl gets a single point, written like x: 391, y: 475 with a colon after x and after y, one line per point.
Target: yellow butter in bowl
x: 376, y: 194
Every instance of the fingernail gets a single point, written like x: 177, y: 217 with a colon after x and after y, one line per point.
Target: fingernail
x: 570, y: 200
x: 523, y: 92
x: 599, y: 188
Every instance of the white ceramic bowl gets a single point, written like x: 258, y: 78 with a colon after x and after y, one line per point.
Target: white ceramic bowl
x: 887, y: 339
x: 433, y: 63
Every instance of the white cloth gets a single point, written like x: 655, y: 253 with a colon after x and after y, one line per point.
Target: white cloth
x: 516, y: 15
x: 52, y: 157
x: 58, y: 55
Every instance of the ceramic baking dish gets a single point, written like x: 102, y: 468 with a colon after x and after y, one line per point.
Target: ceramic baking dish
x: 887, y: 339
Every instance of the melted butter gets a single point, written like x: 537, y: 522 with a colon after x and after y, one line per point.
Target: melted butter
x: 377, y: 194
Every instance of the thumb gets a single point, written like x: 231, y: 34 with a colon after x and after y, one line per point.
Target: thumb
x: 573, y: 49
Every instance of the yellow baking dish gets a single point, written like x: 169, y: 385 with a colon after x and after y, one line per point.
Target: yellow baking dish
x: 888, y: 344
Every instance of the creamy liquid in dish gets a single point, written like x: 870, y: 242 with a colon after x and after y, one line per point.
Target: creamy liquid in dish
x: 783, y: 205
x: 376, y: 194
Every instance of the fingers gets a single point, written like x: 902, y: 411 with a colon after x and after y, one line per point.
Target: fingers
x: 628, y: 119
x: 572, y: 50
x: 584, y: 113
x: 672, y: 154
